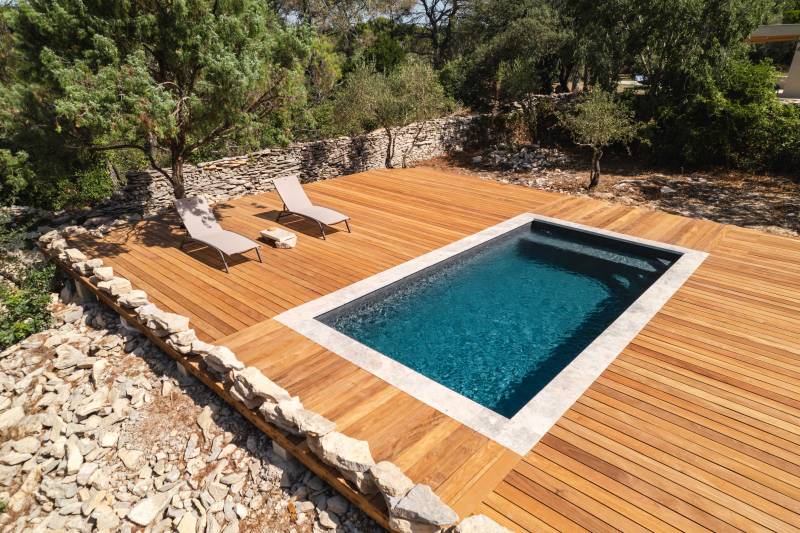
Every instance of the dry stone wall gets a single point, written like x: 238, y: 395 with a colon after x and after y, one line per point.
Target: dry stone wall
x: 148, y: 192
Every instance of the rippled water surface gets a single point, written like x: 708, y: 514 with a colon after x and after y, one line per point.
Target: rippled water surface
x: 497, y: 323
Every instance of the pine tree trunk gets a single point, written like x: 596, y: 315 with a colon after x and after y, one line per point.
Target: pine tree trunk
x: 177, y: 176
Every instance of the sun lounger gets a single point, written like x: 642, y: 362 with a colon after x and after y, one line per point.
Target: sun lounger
x: 296, y: 202
x: 203, y: 227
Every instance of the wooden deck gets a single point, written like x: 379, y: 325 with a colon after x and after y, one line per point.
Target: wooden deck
x: 695, y: 426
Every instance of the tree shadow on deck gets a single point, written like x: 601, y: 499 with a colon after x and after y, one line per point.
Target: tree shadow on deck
x: 163, y: 231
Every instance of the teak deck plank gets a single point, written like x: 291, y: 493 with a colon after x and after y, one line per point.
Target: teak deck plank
x: 695, y: 425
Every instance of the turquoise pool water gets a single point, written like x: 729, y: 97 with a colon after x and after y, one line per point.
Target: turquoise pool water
x: 498, y: 322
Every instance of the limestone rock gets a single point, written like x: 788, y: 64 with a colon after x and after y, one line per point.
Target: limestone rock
x: 103, y: 273
x: 278, y: 417
x: 343, y: 452
x: 74, y: 255
x: 188, y: 523
x: 168, y: 323
x: 115, y: 286
x: 74, y: 456
x: 14, y: 458
x: 67, y: 356
x: 144, y: 512
x: 24, y: 495
x: 480, y: 524
x: 390, y: 480
x: 58, y: 245
x: 401, y: 525
x: 183, y: 338
x: 255, y: 384
x: 147, y: 312
x: 221, y: 359
x: 49, y: 237
x: 422, y: 505
x: 86, y: 268
x: 11, y: 417
x: 134, y: 299
x: 130, y: 458
x: 26, y: 445
x: 309, y: 423
x: 105, y: 518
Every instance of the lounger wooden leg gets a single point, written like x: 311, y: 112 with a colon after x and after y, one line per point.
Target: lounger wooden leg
x: 347, y: 223
x: 322, y: 229
x: 258, y: 253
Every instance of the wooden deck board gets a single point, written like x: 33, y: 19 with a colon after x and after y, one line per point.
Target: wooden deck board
x: 696, y: 425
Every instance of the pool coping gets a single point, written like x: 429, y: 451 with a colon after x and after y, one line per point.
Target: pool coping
x: 521, y: 432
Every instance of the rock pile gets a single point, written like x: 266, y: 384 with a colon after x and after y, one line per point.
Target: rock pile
x: 529, y: 158
x: 99, y: 431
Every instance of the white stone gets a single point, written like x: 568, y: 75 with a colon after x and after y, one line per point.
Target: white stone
x: 144, y: 512
x: 49, y: 237
x: 134, y: 299
x: 257, y: 385
x: 480, y: 524
x: 115, y: 286
x: 26, y: 445
x: 130, y: 458
x: 390, y: 480
x: 167, y: 323
x: 188, y: 523
x: 74, y: 456
x: 67, y: 356
x: 24, y: 494
x: 103, y: 273
x: 85, y: 473
x: 328, y: 520
x: 74, y: 255
x: 221, y: 359
x: 309, y: 423
x: 106, y: 518
x: 272, y: 414
x: 401, y: 525
x: 58, y: 244
x: 422, y: 505
x: 14, y: 458
x: 11, y: 417
x: 342, y: 452
x: 206, y: 422
x: 109, y: 439
x: 184, y: 338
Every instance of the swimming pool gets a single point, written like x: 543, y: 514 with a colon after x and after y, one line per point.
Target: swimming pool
x: 506, y: 328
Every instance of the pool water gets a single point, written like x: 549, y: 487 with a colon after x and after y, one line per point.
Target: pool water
x: 496, y: 323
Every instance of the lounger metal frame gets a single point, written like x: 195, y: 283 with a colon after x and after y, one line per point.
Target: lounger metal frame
x: 189, y: 240
x: 321, y: 225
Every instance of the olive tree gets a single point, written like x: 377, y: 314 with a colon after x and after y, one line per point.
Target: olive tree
x: 597, y: 120
x: 370, y: 100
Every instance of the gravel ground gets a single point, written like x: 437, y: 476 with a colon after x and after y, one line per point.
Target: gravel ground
x: 101, y: 431
x: 764, y: 202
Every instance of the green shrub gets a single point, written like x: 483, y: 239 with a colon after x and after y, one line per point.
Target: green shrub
x: 734, y: 119
x: 24, y: 306
x: 86, y: 188
x: 15, y: 175
x: 24, y: 309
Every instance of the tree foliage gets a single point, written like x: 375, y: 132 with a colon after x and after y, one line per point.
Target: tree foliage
x: 370, y: 99
x: 164, y: 78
